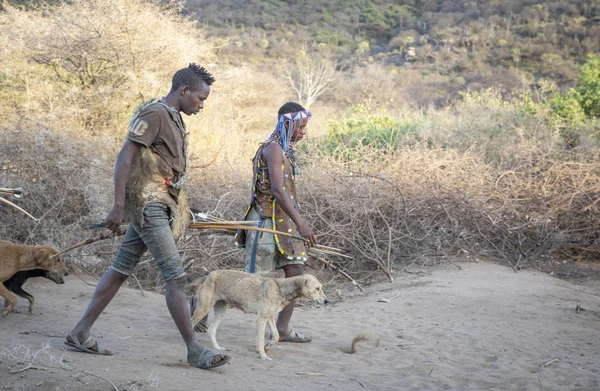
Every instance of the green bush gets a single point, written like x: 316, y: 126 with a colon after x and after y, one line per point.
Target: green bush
x: 588, y: 87
x: 571, y: 111
x: 568, y: 108
x: 364, y: 129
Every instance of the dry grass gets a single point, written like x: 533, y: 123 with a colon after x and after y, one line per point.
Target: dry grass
x: 481, y: 178
x: 29, y: 358
x: 87, y: 67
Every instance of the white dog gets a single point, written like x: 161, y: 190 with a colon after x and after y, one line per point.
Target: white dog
x: 252, y: 294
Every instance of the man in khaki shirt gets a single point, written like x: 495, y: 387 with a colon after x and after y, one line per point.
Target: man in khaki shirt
x: 150, y: 180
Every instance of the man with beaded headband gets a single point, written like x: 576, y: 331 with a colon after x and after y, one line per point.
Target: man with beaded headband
x: 274, y: 205
x: 150, y: 181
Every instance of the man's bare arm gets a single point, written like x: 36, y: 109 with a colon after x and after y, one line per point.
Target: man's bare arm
x: 122, y: 167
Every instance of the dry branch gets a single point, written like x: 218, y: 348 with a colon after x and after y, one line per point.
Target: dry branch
x: 17, y: 207
x: 90, y: 241
x: 339, y: 270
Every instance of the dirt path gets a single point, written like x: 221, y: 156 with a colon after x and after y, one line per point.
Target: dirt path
x: 479, y: 328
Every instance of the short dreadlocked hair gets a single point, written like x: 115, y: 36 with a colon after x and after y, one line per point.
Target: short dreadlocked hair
x: 290, y: 107
x: 193, y: 76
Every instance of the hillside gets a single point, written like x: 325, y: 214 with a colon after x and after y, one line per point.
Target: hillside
x: 446, y: 45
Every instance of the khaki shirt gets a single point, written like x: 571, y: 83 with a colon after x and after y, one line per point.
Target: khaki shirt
x: 161, y: 128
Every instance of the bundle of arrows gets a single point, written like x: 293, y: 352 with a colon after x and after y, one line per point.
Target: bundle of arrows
x: 217, y: 224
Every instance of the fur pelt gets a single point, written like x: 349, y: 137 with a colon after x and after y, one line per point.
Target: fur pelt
x: 146, y: 177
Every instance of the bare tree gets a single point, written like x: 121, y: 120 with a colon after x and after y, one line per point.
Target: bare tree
x: 310, y: 76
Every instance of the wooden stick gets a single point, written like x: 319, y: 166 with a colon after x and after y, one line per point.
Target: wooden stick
x: 388, y: 300
x: 40, y: 333
x: 74, y: 268
x: 138, y: 284
x: 206, y: 216
x: 225, y: 225
x: 252, y: 228
x: 247, y: 226
x: 15, y: 206
x: 89, y: 241
x: 18, y: 190
x: 233, y: 227
x: 549, y: 363
x: 202, y: 224
x: 216, y: 232
x: 329, y: 252
x: 210, y: 224
x: 328, y: 248
x: 343, y: 273
x: 30, y: 366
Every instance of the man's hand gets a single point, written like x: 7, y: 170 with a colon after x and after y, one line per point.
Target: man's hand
x: 307, y: 233
x: 115, y: 218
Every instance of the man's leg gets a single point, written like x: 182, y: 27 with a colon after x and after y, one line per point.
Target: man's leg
x: 108, y: 286
x: 157, y: 235
x: 283, y: 320
x: 130, y: 252
x: 179, y: 310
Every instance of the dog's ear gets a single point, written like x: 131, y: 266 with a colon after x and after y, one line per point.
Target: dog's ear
x: 42, y: 254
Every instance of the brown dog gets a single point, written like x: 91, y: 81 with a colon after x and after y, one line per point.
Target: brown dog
x: 15, y: 284
x: 17, y: 257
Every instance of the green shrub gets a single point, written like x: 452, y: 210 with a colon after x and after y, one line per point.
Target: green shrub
x: 588, y: 87
x: 567, y: 108
x: 527, y: 105
x: 365, y: 129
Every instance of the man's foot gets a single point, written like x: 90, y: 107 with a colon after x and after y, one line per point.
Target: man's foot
x: 90, y: 345
x: 208, y: 359
x: 294, y: 336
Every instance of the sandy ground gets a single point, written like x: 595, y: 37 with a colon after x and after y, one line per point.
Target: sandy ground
x: 480, y: 328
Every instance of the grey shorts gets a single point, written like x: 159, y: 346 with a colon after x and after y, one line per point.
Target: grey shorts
x: 157, y: 237
x: 261, y: 253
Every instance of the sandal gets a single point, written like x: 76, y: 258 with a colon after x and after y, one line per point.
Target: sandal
x: 207, y: 358
x: 90, y: 345
x: 294, y: 336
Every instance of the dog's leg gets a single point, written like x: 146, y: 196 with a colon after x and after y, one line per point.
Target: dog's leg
x: 201, y: 309
x: 200, y: 325
x: 7, y: 284
x: 19, y: 291
x: 8, y: 295
x: 261, y: 323
x: 218, y: 312
x: 274, y: 332
x: 273, y: 329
